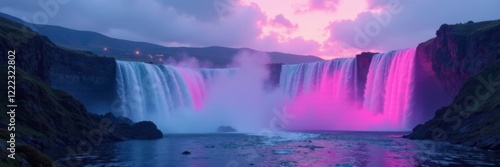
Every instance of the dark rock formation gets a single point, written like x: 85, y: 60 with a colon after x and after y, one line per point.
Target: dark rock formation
x: 127, y: 129
x: 472, y: 118
x: 456, y: 56
x: 363, y: 61
x: 274, y: 74
x: 27, y: 45
x: 144, y: 130
x: 47, y: 118
x: 225, y: 129
x: 186, y: 153
x: 88, y: 77
x: 118, y: 119
x: 459, y: 52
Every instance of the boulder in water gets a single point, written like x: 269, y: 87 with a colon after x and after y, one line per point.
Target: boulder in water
x: 186, y: 153
x: 225, y: 129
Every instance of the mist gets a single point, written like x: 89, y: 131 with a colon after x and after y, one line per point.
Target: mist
x: 233, y: 97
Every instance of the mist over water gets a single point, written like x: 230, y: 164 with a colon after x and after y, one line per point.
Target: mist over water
x: 188, y: 100
x: 319, y: 96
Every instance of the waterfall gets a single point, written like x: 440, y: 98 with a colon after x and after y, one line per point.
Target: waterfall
x: 186, y: 100
x: 324, y: 92
x: 334, y: 77
x: 389, y: 85
x: 321, y: 95
x: 150, y: 91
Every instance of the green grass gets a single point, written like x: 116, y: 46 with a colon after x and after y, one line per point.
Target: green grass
x: 470, y: 28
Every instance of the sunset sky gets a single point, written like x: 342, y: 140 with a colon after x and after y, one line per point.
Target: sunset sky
x: 325, y: 28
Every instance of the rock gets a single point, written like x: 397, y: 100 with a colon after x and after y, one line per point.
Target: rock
x: 471, y: 125
x: 118, y: 119
x: 186, y: 153
x: 225, y: 129
x: 363, y: 61
x: 144, y: 130
x: 81, y: 74
x: 274, y: 74
x: 459, y: 52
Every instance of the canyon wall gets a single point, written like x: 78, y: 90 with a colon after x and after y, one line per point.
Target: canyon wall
x: 86, y: 76
x: 459, y: 52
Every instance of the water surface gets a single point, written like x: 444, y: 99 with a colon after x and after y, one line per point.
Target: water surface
x: 285, y: 149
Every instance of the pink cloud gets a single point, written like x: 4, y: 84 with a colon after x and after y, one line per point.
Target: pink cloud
x: 325, y: 28
x: 323, y: 4
x: 280, y: 20
x: 314, y: 5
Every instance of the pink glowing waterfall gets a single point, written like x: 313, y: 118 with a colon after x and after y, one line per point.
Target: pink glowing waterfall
x: 322, y: 93
x: 334, y: 78
x: 196, y: 86
x: 399, y: 88
x: 389, y: 86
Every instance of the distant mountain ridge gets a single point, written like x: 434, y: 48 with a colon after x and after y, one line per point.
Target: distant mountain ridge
x: 147, y: 52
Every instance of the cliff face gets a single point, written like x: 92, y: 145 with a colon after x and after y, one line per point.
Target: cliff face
x: 274, y: 74
x: 88, y: 77
x: 27, y: 46
x: 463, y: 60
x: 47, y: 118
x: 472, y: 118
x: 459, y: 52
x: 363, y: 62
x: 91, y: 79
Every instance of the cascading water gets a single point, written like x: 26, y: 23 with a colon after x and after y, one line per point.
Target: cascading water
x: 336, y: 77
x: 322, y: 95
x: 389, y: 86
x: 152, y: 91
x: 319, y: 93
x: 186, y: 100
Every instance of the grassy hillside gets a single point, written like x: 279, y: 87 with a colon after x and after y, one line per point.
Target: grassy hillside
x: 125, y: 50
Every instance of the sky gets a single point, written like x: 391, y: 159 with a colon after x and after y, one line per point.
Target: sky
x: 324, y: 28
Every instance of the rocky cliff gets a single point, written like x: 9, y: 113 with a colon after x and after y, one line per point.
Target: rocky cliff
x: 363, y: 61
x: 459, y: 52
x: 463, y: 60
x: 88, y: 77
x: 472, y: 118
x: 46, y: 118
x: 274, y: 74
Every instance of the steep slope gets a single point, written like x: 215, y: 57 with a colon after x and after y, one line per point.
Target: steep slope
x: 46, y: 118
x: 460, y: 51
x: 472, y: 118
x: 82, y: 74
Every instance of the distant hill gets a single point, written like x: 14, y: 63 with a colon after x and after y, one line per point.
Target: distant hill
x: 125, y: 50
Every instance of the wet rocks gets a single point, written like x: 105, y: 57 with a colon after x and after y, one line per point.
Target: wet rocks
x: 226, y: 129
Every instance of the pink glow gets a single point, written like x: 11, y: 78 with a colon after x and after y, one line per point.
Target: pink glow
x: 323, y: 95
x: 195, y: 85
x: 398, y: 90
x: 310, y: 23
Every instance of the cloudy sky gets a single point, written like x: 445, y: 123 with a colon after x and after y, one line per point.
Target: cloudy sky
x: 326, y: 28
